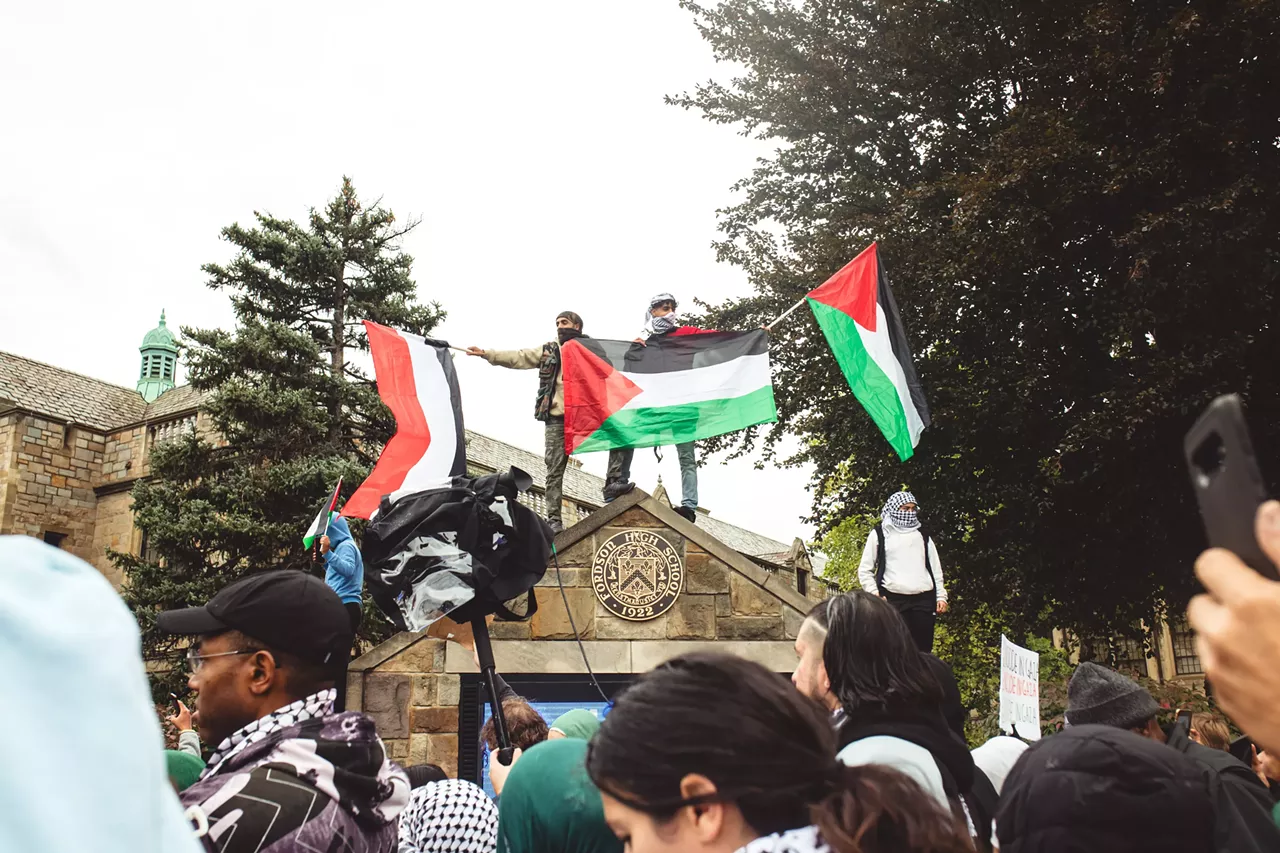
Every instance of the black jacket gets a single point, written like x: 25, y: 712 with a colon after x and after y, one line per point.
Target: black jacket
x: 952, y: 707
x: 950, y: 753
x: 1096, y: 789
x: 1244, y: 803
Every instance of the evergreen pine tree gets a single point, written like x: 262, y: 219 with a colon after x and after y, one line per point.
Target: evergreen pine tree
x: 289, y: 413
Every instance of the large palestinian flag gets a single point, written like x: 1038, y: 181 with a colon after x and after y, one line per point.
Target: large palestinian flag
x: 676, y: 388
x: 856, y: 311
x: 417, y: 382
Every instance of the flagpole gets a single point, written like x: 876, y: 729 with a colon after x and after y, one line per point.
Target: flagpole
x: 785, y: 314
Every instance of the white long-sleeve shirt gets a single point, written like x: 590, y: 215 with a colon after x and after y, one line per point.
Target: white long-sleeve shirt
x: 904, y: 569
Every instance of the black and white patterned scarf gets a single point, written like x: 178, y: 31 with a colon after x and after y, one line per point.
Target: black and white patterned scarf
x: 903, y: 519
x: 452, y: 816
x: 805, y: 840
x: 316, y: 705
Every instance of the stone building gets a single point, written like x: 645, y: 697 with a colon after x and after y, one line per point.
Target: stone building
x: 424, y: 692
x: 71, y: 448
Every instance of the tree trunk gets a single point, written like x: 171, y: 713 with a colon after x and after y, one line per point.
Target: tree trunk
x: 337, y: 361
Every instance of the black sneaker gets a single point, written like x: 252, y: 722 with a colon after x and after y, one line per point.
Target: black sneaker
x: 689, y: 515
x: 613, y: 491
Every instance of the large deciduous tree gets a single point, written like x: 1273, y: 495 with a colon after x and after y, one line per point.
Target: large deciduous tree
x: 290, y: 412
x: 1078, y: 208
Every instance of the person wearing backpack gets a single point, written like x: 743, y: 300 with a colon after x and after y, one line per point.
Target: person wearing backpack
x: 900, y: 564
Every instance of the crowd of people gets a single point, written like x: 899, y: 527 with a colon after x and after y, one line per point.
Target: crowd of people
x: 861, y: 752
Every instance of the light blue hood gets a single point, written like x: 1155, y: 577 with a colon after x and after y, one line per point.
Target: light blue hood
x: 338, y: 532
x: 82, y: 763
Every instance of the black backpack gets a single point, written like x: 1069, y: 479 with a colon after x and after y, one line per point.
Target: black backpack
x: 880, y: 559
x: 463, y: 550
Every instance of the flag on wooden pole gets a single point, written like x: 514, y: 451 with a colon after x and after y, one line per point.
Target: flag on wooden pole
x: 857, y: 313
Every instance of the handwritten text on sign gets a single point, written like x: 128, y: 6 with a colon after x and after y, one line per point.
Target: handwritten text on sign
x: 1019, y: 690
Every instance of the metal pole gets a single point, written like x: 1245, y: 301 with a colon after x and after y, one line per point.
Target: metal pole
x: 484, y: 651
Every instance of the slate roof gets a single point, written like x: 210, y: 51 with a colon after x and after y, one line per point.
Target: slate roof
x: 74, y: 398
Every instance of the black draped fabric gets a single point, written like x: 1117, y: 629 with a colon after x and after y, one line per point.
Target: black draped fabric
x: 461, y: 551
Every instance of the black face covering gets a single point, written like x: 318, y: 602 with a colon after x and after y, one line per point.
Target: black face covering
x: 569, y: 334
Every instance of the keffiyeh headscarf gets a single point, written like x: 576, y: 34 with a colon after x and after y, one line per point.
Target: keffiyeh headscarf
x: 316, y: 705
x: 893, y: 513
x: 804, y: 840
x: 661, y: 325
x: 453, y: 816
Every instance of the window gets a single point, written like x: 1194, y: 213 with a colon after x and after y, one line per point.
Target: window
x: 1185, y: 659
x: 54, y: 539
x: 1128, y: 656
x: 168, y: 366
x: 802, y: 581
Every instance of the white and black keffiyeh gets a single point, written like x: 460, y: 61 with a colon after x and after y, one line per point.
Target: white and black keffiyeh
x: 903, y: 519
x: 452, y: 816
x: 806, y: 840
x: 316, y: 705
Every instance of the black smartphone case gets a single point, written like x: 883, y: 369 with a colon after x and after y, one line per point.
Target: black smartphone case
x: 1228, y: 485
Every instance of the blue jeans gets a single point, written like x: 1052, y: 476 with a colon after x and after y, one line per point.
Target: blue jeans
x: 620, y: 470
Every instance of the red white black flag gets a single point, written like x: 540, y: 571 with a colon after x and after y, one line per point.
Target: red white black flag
x: 417, y: 382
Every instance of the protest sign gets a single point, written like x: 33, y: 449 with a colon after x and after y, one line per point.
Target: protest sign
x: 1019, y: 690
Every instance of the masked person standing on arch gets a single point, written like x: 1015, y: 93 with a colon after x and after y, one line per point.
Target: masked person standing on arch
x: 549, y: 405
x: 660, y: 319
x: 900, y: 564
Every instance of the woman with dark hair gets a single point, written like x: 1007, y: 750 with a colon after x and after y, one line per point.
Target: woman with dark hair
x: 892, y: 706
x: 713, y: 753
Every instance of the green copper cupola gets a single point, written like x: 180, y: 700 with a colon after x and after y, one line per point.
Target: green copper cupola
x: 159, y: 361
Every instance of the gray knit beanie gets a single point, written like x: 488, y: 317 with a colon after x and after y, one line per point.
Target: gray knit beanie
x: 1100, y: 696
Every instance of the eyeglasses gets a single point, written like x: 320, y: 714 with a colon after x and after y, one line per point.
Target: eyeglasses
x: 195, y: 660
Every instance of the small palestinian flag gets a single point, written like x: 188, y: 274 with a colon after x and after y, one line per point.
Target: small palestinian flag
x: 856, y: 311
x: 327, y: 513
x: 677, y: 388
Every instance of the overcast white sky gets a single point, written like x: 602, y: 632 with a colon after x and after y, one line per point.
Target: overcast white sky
x: 530, y: 137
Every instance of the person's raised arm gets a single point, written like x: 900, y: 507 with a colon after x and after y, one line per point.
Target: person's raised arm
x: 516, y: 359
x: 1237, y: 627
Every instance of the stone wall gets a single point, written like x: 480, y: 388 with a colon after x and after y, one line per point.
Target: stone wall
x: 718, y: 602
x: 73, y: 480
x: 411, y: 683
x: 413, y: 699
x: 114, y: 529
x: 49, y: 481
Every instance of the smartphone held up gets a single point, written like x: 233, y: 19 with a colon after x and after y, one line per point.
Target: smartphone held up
x: 1227, y: 481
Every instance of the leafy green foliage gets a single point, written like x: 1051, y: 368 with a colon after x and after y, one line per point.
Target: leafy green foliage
x: 1078, y: 207
x: 842, y: 546
x: 290, y: 413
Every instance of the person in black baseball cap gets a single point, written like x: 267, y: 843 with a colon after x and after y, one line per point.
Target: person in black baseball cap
x: 266, y: 652
x: 261, y: 643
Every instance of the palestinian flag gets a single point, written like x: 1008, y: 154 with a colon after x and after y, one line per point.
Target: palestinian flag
x: 856, y: 311
x: 677, y: 388
x: 417, y: 381
x: 327, y: 513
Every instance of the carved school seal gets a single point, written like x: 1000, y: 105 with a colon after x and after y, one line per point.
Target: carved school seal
x: 637, y: 575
